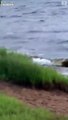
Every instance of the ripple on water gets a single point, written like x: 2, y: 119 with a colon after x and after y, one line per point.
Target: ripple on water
x: 11, y: 37
x: 40, y: 26
x: 3, y: 16
x: 15, y: 16
x: 57, y: 3
x: 19, y: 8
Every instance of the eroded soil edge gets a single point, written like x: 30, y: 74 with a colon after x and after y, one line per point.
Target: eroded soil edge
x: 55, y: 101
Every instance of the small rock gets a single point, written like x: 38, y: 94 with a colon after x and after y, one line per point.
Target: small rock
x: 65, y: 63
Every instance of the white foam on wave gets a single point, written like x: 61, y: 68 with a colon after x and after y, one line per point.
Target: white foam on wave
x: 42, y: 61
x: 9, y: 32
x: 64, y: 2
x: 63, y: 71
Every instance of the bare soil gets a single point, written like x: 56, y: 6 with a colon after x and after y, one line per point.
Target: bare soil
x: 56, y: 101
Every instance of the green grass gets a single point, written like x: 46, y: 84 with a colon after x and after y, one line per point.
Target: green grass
x: 12, y: 109
x: 20, y: 69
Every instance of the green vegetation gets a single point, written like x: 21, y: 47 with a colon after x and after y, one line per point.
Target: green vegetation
x: 20, y: 69
x: 11, y: 109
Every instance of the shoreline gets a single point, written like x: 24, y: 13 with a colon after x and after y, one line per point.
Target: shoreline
x: 20, y: 69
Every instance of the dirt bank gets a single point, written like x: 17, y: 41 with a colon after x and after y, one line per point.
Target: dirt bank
x: 55, y: 101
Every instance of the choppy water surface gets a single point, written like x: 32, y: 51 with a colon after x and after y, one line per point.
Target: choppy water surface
x: 35, y: 27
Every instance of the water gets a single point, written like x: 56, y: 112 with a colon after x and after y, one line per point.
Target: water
x: 35, y: 27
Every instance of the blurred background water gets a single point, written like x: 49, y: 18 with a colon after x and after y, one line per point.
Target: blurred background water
x: 35, y: 27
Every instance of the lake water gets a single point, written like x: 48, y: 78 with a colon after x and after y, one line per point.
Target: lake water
x: 35, y: 27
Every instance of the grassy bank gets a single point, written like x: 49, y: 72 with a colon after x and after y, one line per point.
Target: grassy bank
x: 11, y: 109
x: 21, y: 70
